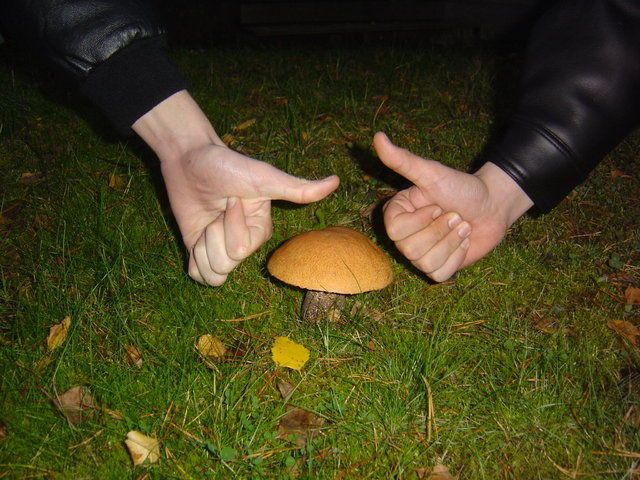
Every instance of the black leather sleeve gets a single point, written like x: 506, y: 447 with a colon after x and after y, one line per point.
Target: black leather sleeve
x: 114, y: 49
x: 580, y: 97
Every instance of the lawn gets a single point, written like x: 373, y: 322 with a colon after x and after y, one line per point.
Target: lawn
x: 522, y: 367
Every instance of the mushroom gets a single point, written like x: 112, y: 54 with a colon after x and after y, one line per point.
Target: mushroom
x: 329, y: 264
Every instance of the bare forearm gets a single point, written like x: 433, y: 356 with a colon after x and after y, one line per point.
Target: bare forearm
x: 175, y: 126
x: 507, y: 199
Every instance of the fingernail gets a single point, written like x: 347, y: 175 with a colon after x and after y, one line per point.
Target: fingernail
x: 465, y: 244
x: 455, y: 220
x: 436, y: 213
x: 464, y: 230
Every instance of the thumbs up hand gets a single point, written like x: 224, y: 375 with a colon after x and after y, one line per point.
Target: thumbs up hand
x: 447, y: 219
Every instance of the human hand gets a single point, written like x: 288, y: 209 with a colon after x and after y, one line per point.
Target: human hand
x: 220, y: 198
x: 448, y: 219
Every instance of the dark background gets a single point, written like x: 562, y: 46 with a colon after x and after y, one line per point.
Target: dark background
x: 202, y: 22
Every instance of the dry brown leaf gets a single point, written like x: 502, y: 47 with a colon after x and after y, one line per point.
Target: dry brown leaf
x: 228, y: 139
x: 617, y: 173
x: 29, y: 178
x: 300, y: 423
x: 3, y: 431
x: 632, y: 296
x: 626, y: 329
x: 282, y: 101
x: 244, y: 125
x: 74, y: 403
x: 117, y: 181
x: 440, y: 472
x: 133, y: 355
x: 211, y: 347
x: 10, y: 213
x: 113, y: 413
x: 285, y: 389
x: 142, y: 448
x: 58, y: 333
x: 551, y: 326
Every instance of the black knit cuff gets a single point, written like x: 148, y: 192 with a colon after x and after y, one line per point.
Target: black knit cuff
x: 133, y: 81
x: 539, y: 162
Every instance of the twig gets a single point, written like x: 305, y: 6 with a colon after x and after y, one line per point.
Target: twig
x: 242, y: 319
x: 84, y: 442
x: 618, y: 453
x: 431, y: 423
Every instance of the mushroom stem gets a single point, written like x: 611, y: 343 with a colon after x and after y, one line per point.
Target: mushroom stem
x: 318, y: 305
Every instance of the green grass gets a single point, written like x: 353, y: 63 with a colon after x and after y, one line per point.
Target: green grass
x: 509, y: 400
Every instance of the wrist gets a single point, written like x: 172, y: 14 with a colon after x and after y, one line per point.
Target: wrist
x: 175, y: 126
x: 506, y: 197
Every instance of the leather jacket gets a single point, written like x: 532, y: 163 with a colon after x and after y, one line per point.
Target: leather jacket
x: 579, y: 97
x: 114, y: 50
x: 579, y: 92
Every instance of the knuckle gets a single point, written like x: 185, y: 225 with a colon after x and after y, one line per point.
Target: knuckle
x: 411, y: 252
x: 393, y: 231
x: 429, y: 265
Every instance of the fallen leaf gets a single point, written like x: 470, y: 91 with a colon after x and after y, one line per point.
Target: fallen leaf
x: 632, y: 296
x: 210, y: 347
x: 371, y: 345
x: 142, y: 448
x: 117, y: 181
x: 282, y: 101
x: 244, y: 125
x: 29, y: 178
x: 285, y: 389
x: 626, y: 329
x: 300, y: 423
x: 10, y: 213
x: 58, y: 333
x: 228, y: 139
x: 287, y: 353
x: 133, y: 355
x: 616, y: 173
x: 113, y: 413
x: 74, y: 403
x: 3, y: 431
x: 440, y: 472
x: 551, y: 326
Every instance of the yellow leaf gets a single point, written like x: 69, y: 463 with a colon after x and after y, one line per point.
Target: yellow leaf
x: 142, y: 448
x: 116, y: 181
x: 210, y: 347
x: 58, y: 333
x: 287, y: 353
x: 244, y: 125
x: 228, y: 139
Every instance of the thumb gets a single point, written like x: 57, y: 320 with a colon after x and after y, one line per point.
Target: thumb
x: 416, y: 169
x: 298, y: 190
